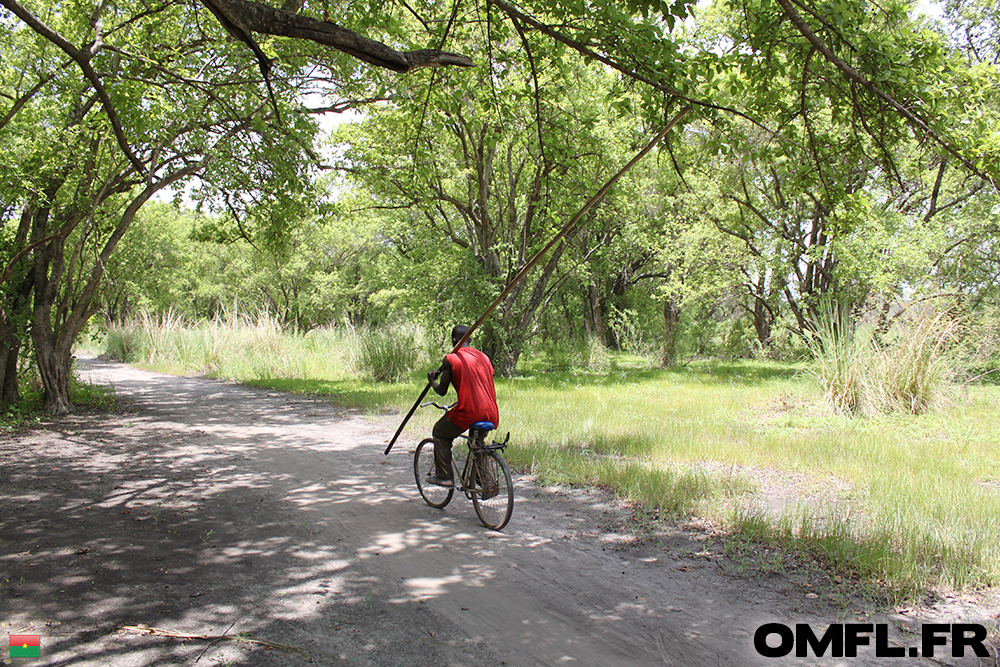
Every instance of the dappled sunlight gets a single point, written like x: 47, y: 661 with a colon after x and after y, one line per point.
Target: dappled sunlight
x: 393, y: 543
x: 466, y: 576
x: 278, y: 518
x: 228, y: 520
x: 424, y: 536
x: 424, y: 587
x: 344, y: 490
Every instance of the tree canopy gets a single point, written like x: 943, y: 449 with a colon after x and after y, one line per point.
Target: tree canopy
x: 822, y: 133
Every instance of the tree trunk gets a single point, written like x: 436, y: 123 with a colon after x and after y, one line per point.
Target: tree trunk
x: 9, y: 393
x: 763, y: 319
x: 55, y: 367
x: 671, y: 318
x: 15, y: 310
x: 15, y: 313
x: 504, y: 341
x: 501, y: 349
x: 588, y: 315
x: 596, y: 303
x: 502, y: 354
x: 53, y: 359
x: 518, y: 323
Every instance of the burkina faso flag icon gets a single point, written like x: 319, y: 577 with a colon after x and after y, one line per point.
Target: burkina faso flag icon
x: 25, y: 646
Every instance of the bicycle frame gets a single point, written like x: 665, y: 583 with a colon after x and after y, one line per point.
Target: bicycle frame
x: 476, y: 441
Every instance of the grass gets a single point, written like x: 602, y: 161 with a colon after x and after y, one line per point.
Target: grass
x: 903, y: 370
x: 903, y: 501
x: 916, y: 500
x: 259, y: 349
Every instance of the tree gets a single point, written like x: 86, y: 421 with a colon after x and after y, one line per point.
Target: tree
x: 161, y: 88
x: 79, y: 192
x: 120, y: 68
x: 492, y: 178
x: 973, y: 25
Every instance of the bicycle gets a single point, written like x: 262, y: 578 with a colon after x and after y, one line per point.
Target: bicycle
x: 485, y: 478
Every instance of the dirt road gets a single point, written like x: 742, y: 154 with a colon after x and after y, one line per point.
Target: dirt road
x: 209, y: 509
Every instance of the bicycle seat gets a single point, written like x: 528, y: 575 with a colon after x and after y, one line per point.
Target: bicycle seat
x: 482, y: 426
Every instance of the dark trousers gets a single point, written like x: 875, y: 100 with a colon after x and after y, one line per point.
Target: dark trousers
x: 445, y: 431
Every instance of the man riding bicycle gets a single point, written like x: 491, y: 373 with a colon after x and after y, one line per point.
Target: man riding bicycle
x: 471, y: 372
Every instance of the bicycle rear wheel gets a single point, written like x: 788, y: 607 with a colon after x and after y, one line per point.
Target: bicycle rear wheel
x: 493, y: 497
x: 423, y: 465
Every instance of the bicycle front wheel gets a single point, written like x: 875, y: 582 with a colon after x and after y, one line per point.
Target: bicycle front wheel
x: 493, y: 497
x: 423, y: 465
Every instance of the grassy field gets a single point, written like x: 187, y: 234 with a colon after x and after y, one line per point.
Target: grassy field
x: 901, y: 501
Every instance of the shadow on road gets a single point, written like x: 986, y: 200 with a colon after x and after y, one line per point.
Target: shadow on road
x: 210, y: 509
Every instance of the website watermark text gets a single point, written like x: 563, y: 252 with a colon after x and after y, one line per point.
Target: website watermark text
x: 842, y: 640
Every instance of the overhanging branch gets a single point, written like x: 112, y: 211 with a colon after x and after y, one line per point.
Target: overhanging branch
x: 517, y: 15
x: 82, y: 59
x: 853, y: 75
x: 256, y: 17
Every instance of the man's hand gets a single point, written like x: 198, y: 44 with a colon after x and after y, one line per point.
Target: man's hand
x: 444, y: 375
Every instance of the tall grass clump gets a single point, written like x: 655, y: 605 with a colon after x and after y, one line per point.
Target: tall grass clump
x: 154, y: 339
x: 915, y: 365
x: 594, y: 355
x: 236, y: 346
x: 389, y: 354
x: 907, y: 371
x: 841, y: 358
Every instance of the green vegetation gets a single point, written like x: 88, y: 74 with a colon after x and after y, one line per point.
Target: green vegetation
x: 28, y: 412
x: 905, y: 369
x: 904, y: 501
x: 901, y: 500
x: 828, y: 152
x: 259, y: 350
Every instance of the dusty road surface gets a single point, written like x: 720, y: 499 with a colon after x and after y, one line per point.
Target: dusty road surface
x: 212, y: 524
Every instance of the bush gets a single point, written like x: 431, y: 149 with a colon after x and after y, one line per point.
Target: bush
x: 625, y: 324
x: 906, y: 372
x: 120, y: 343
x: 594, y: 355
x: 388, y: 355
x: 980, y: 348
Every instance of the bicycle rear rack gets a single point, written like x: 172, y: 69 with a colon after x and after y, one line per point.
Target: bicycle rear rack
x: 477, y: 440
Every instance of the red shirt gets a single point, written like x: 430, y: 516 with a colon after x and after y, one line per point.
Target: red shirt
x: 472, y: 375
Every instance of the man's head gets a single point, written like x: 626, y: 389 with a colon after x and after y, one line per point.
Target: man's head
x: 457, y: 333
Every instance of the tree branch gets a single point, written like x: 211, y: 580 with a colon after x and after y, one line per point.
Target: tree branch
x: 82, y: 59
x: 24, y: 99
x: 854, y: 75
x: 253, y: 16
x: 345, y: 105
x: 584, y: 50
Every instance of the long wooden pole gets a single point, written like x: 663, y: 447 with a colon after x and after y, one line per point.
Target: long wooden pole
x: 598, y: 196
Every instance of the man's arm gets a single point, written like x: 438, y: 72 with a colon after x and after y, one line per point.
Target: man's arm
x: 441, y: 379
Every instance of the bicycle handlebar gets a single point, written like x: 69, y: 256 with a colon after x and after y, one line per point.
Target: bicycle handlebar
x: 439, y: 407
